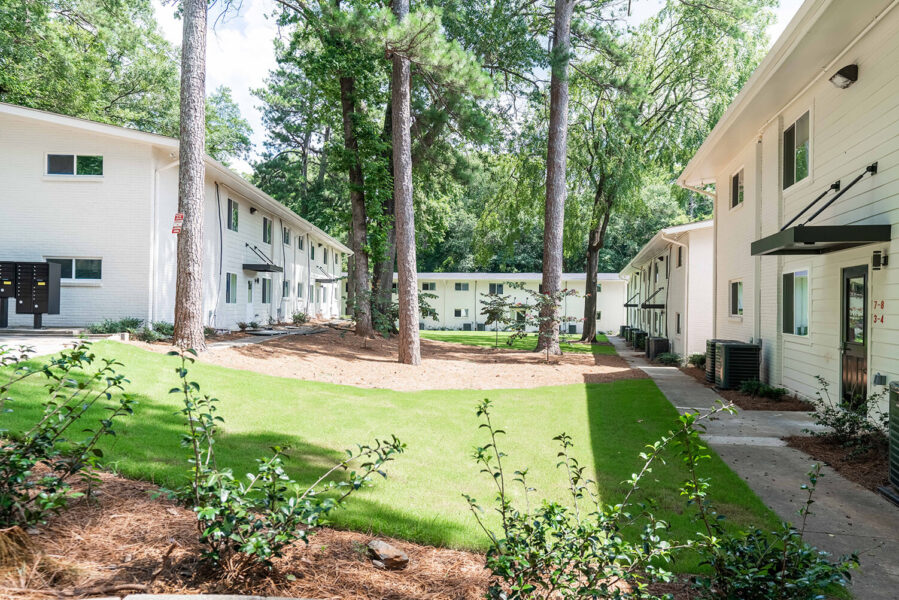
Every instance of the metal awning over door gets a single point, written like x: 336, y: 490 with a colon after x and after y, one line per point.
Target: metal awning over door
x: 820, y: 239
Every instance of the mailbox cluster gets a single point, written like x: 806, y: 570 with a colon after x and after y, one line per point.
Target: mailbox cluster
x: 35, y: 287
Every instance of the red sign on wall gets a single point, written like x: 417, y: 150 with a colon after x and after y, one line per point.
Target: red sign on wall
x: 179, y: 221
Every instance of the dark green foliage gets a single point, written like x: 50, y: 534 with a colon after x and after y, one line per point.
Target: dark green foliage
x: 37, y: 466
x: 248, y: 522
x: 497, y: 310
x: 762, y: 390
x: 697, y: 360
x: 858, y: 426
x: 531, y: 314
x: 126, y: 325
x: 298, y: 318
x: 670, y: 358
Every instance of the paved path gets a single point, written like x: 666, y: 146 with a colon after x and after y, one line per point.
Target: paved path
x: 847, y: 517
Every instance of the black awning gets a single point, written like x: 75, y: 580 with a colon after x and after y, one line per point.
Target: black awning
x: 645, y: 305
x: 630, y: 303
x: 820, y: 239
x: 263, y: 268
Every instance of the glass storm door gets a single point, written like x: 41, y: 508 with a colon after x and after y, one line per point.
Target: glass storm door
x: 855, y: 335
x: 251, y: 312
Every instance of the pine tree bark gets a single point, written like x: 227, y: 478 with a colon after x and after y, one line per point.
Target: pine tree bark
x: 556, y: 160
x: 595, y: 243
x: 191, y: 178
x: 359, y: 230
x: 407, y: 277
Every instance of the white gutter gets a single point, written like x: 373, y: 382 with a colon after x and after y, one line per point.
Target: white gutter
x: 154, y: 242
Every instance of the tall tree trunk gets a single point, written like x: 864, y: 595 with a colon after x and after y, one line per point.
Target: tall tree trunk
x: 359, y: 230
x: 407, y: 277
x: 556, y: 191
x: 191, y: 178
x: 383, y: 284
x: 595, y: 242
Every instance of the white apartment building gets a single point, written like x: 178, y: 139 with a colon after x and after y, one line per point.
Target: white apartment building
x: 805, y: 167
x: 459, y: 298
x: 669, y: 287
x: 101, y: 200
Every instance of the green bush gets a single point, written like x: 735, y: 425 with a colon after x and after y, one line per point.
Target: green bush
x: 697, y: 360
x: 254, y: 324
x: 860, y: 425
x: 670, y: 358
x: 762, y: 390
x: 208, y: 331
x: 247, y: 522
x: 164, y: 328
x: 61, y: 441
x: 126, y: 325
x: 299, y: 318
x: 242, y: 325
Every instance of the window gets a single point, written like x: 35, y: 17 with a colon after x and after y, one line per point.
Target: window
x: 429, y: 286
x: 461, y: 287
x: 266, y: 291
x: 311, y: 252
x: 337, y: 256
x: 655, y: 276
x: 795, y: 303
x: 461, y: 312
x: 233, y: 213
x: 285, y: 289
x: 230, y: 288
x: 250, y: 291
x: 677, y: 323
x: 394, y: 286
x: 79, y: 269
x: 680, y: 256
x: 266, y: 230
x: 599, y: 315
x: 736, y: 298
x: 71, y: 164
x: 796, y: 151
x: 299, y: 290
x: 496, y: 288
x: 736, y: 189
x: 299, y: 242
x: 325, y: 256
x: 285, y: 235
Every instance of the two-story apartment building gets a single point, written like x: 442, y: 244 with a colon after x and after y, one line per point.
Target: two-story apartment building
x: 669, y: 287
x: 805, y: 167
x: 458, y: 298
x: 101, y: 200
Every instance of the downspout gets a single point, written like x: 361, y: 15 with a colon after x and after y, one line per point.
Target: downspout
x: 154, y: 242
x: 686, y: 328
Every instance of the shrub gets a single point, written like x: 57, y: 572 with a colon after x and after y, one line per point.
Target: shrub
x: 147, y: 335
x: 60, y: 442
x: 860, y: 425
x: 697, y: 360
x: 670, y: 358
x: 299, y: 318
x: 242, y: 326
x: 208, y: 331
x: 247, y: 522
x: 164, y: 328
x: 254, y: 324
x: 128, y: 324
x: 762, y: 390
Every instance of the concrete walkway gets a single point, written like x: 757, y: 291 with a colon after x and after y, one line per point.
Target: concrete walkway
x: 846, y: 517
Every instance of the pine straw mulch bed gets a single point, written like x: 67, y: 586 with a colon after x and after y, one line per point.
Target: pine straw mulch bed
x: 747, y: 402
x: 869, y: 470
x: 124, y: 541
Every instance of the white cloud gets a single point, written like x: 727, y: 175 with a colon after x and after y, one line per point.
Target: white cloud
x: 239, y: 54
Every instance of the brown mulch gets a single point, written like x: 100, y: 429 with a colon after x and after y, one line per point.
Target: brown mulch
x: 747, y: 402
x: 123, y: 541
x: 869, y: 470
x: 338, y: 356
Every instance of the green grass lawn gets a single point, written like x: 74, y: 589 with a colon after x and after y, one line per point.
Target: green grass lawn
x: 489, y: 338
x: 422, y: 498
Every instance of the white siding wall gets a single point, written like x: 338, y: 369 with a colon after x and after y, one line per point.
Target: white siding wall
x: 700, y: 312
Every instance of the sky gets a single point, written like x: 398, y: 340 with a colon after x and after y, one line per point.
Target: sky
x: 240, y: 52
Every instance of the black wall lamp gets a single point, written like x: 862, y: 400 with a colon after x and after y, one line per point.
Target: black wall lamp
x: 845, y: 76
x: 252, y: 210
x: 880, y: 259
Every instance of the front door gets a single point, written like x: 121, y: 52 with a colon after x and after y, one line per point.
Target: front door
x: 855, y: 335
x: 251, y: 309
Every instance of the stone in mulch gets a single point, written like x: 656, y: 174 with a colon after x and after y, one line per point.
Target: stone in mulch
x: 386, y: 556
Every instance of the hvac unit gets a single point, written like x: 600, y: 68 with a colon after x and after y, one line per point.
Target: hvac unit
x: 466, y: 327
x: 656, y: 346
x: 640, y: 340
x: 891, y: 491
x: 482, y: 327
x: 710, y: 346
x: 736, y: 363
x: 621, y: 330
x: 630, y: 333
x: 572, y: 328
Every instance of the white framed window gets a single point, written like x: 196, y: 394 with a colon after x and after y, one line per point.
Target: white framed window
x: 795, y: 306
x: 266, y: 291
x: 78, y: 269
x: 796, y: 151
x: 311, y: 252
x: 230, y: 288
x: 737, y: 192
x: 285, y: 235
x: 78, y: 165
x: 299, y: 242
x: 285, y: 289
x: 680, y: 256
x: 233, y: 214
x: 266, y: 230
x: 299, y: 290
x: 249, y: 291
x: 736, y: 299
x: 429, y: 286
x: 461, y: 287
x: 496, y: 288
x: 677, y: 323
x: 599, y: 315
x: 461, y: 312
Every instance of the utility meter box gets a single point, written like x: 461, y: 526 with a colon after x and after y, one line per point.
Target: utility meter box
x: 37, y: 288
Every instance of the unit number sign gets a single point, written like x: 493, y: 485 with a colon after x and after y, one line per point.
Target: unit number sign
x: 179, y: 221
x: 879, y: 306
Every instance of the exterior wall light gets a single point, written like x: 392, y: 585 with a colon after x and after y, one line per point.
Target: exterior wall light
x: 845, y: 76
x: 252, y: 210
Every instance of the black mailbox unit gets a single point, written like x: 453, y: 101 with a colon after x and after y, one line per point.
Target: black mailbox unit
x: 7, y: 290
x: 37, y: 290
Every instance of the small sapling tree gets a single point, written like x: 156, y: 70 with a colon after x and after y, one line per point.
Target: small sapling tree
x: 496, y: 310
x: 541, y: 309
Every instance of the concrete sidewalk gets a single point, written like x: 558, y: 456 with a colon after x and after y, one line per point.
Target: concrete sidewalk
x: 846, y: 517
